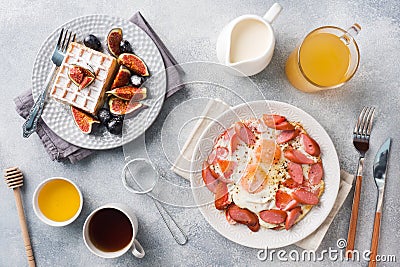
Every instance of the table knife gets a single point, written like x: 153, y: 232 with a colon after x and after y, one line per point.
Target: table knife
x: 380, y: 168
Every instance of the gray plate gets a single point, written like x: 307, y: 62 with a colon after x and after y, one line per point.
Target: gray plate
x: 58, y: 116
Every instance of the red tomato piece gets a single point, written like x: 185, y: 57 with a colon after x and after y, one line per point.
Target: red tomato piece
x: 282, y: 199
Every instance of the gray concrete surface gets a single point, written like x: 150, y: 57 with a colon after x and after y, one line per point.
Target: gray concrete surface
x: 190, y: 30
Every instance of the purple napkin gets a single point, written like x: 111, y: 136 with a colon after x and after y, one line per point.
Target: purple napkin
x: 58, y: 148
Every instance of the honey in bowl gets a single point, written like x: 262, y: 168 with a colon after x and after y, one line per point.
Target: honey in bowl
x: 59, y: 200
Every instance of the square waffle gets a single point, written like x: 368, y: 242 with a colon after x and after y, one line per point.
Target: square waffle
x: 91, y: 98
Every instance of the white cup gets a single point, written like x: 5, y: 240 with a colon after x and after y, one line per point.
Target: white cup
x: 137, y: 249
x: 39, y: 213
x: 252, y: 65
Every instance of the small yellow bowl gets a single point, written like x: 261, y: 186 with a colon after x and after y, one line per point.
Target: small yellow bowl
x: 56, y: 199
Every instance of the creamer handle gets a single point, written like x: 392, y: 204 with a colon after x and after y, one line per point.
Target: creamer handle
x: 272, y: 13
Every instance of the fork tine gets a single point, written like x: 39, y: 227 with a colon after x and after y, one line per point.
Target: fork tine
x: 69, y: 38
x: 73, y: 39
x: 366, y: 121
x: 370, y: 121
x: 359, y: 121
x: 67, y: 43
x: 65, y: 38
x: 59, y: 38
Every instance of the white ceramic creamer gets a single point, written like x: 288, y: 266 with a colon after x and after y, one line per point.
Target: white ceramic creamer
x: 247, y: 43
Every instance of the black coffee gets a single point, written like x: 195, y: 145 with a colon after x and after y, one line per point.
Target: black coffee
x: 110, y: 230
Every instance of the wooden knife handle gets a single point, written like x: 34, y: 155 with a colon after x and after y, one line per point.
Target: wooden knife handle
x: 375, y: 240
x: 354, y: 218
x: 24, y: 228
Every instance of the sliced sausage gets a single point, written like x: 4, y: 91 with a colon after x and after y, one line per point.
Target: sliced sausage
x: 272, y: 119
x: 245, y: 134
x: 315, y: 173
x: 305, y: 197
x: 254, y: 228
x: 290, y: 183
x: 234, y: 142
x: 297, y: 156
x: 227, y: 167
x: 209, y: 180
x: 211, y: 158
x: 222, y: 152
x: 292, y: 216
x: 243, y: 216
x: 296, y: 172
x: 273, y: 216
x: 221, y: 196
x: 228, y: 217
x: 282, y: 199
x: 291, y: 205
x: 284, y: 126
x: 310, y: 145
x: 286, y: 136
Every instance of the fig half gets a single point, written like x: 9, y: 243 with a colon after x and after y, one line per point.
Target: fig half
x: 119, y: 106
x: 83, y: 120
x: 129, y: 93
x: 122, y: 78
x: 114, y: 38
x: 80, y: 76
x: 134, y: 63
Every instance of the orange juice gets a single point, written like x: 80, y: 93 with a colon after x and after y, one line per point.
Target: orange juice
x: 325, y: 58
x: 59, y: 200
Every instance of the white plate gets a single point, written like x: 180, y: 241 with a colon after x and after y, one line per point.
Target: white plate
x: 58, y: 116
x: 266, y: 238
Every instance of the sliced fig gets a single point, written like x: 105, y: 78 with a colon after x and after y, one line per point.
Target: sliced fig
x: 122, y: 78
x: 86, y: 82
x: 119, y: 106
x: 80, y: 76
x: 134, y: 63
x: 82, y: 120
x: 129, y: 93
x: 114, y: 38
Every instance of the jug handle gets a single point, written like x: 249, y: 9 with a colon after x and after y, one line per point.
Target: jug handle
x: 272, y: 13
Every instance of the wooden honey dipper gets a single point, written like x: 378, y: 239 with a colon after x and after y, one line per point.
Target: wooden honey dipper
x: 14, y: 180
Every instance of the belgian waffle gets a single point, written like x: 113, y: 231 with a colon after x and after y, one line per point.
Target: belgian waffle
x: 91, y: 98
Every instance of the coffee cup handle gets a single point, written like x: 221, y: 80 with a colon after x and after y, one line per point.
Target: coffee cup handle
x: 137, y: 249
x: 272, y: 13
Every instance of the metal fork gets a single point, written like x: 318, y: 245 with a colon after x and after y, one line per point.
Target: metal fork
x: 30, y: 124
x: 361, y: 135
